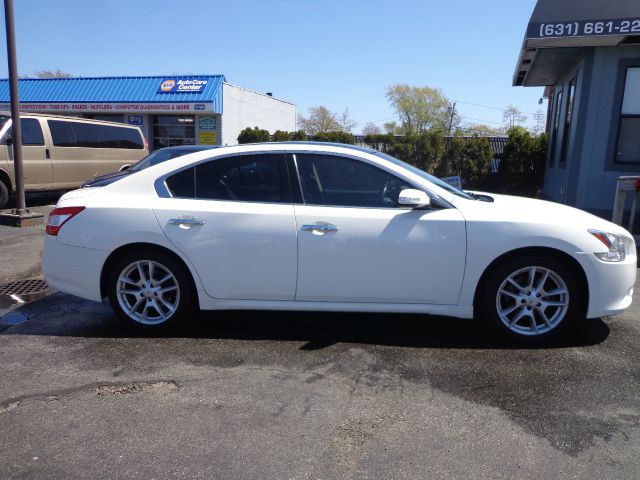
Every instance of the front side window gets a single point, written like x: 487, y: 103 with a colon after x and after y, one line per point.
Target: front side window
x: 340, y: 181
x: 31, y: 132
x: 628, y: 146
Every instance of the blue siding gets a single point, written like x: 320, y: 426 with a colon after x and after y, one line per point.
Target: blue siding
x: 112, y: 90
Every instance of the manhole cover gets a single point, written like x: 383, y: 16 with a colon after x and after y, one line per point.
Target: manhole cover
x: 25, y: 287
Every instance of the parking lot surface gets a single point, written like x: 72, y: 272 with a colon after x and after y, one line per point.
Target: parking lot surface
x: 312, y: 396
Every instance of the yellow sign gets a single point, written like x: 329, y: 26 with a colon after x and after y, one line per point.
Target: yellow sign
x: 207, y: 138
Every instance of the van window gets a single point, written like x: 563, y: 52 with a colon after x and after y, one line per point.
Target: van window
x: 62, y: 133
x: 31, y: 132
x: 91, y: 135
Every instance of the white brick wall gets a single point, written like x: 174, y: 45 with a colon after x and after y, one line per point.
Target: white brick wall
x: 243, y: 108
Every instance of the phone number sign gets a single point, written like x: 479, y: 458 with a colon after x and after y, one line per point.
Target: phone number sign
x: 627, y: 26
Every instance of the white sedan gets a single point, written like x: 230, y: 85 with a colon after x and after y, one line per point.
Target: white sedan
x: 326, y: 227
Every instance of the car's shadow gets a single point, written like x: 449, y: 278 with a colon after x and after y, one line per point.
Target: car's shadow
x: 36, y: 199
x: 316, y: 329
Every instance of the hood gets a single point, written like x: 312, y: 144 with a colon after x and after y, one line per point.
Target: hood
x: 521, y: 209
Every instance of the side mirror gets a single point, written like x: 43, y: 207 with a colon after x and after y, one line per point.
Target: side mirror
x: 414, y: 198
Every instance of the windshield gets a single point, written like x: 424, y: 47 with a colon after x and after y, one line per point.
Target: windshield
x: 435, y: 180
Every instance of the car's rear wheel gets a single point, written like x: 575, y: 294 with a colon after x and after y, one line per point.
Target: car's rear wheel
x: 4, y: 194
x: 151, y: 290
x: 531, y: 298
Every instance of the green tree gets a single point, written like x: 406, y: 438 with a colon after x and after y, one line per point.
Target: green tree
x: 280, y: 136
x: 253, y: 135
x: 298, y: 136
x: 513, y: 117
x: 522, y: 165
x: 320, y: 119
x: 335, y: 137
x: 420, y: 108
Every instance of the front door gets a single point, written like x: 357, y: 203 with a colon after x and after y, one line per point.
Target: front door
x: 36, y: 161
x: 233, y: 218
x: 356, y: 245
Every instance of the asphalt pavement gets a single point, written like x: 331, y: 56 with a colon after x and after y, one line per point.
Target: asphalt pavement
x: 312, y: 396
x: 272, y: 395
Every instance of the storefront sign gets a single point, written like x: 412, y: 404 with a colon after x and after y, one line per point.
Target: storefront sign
x: 135, y: 119
x: 182, y: 85
x: 207, y: 138
x: 207, y: 123
x: 108, y: 107
x: 617, y: 26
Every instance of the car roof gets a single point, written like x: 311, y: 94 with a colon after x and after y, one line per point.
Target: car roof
x: 195, y: 148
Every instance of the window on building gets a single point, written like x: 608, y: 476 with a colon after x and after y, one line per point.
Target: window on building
x: 173, y: 130
x: 341, y: 181
x: 628, y: 146
x: 555, y: 127
x: 568, y: 118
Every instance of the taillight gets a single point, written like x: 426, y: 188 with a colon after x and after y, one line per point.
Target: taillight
x: 146, y: 143
x: 59, y: 216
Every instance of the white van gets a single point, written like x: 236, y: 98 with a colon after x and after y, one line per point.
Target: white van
x: 61, y: 153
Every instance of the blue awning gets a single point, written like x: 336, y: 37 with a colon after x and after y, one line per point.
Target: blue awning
x: 156, y: 89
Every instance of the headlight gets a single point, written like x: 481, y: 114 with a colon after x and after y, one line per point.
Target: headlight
x: 615, y: 244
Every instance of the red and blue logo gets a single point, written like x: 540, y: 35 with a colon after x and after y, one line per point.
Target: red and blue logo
x: 167, y: 85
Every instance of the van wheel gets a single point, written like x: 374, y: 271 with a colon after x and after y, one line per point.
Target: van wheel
x: 4, y: 194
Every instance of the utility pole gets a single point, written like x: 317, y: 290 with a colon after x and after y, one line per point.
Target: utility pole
x: 453, y: 112
x: 20, y: 216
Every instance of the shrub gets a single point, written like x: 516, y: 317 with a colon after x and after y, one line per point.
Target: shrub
x: 255, y: 135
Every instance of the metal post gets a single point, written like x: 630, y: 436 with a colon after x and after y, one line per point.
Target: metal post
x: 15, y: 108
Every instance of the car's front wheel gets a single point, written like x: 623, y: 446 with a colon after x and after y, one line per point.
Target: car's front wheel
x: 151, y: 290
x: 531, y: 298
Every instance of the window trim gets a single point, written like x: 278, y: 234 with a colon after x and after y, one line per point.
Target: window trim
x: 555, y: 130
x: 162, y: 190
x: 567, y: 124
x: 616, y: 119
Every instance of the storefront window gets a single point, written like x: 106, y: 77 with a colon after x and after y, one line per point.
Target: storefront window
x: 628, y: 147
x: 555, y: 127
x: 173, y: 130
x: 567, y: 124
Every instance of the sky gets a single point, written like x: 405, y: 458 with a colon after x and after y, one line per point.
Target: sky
x: 336, y: 53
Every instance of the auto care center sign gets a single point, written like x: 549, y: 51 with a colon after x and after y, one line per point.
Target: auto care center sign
x: 74, y: 107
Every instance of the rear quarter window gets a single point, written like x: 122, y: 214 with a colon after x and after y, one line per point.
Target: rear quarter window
x: 182, y: 184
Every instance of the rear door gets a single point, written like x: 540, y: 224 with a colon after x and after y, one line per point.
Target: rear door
x: 355, y: 244
x: 35, y: 155
x: 233, y: 218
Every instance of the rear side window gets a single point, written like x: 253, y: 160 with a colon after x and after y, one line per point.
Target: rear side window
x: 182, y: 184
x: 243, y: 178
x: 90, y: 135
x: 31, y: 132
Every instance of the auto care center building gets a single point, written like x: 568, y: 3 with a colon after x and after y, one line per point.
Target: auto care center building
x: 171, y: 110
x: 587, y: 55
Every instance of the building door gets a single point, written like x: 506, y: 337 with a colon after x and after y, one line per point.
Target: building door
x: 173, y: 130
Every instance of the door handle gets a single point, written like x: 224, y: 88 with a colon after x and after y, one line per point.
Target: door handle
x: 186, y: 221
x: 47, y: 153
x: 320, y: 227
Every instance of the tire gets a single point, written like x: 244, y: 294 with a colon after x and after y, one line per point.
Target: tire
x: 4, y: 195
x: 151, y: 290
x: 528, y: 311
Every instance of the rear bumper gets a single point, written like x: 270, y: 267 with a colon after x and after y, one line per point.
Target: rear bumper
x: 73, y: 270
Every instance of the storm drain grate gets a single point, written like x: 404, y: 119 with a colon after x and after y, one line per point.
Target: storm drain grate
x: 25, y: 287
